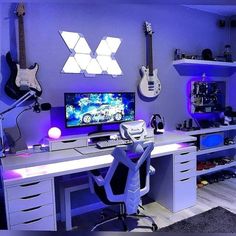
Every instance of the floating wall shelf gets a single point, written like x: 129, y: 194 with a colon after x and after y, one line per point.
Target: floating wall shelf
x: 194, y: 67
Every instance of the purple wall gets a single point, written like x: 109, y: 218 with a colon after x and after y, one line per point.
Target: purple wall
x: 174, y: 26
x: 232, y: 79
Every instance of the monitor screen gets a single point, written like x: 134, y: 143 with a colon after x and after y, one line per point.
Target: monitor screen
x: 83, y: 109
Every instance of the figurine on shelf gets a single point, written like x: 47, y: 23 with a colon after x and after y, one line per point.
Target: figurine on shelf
x: 178, y: 54
x: 227, y: 53
x: 228, y: 116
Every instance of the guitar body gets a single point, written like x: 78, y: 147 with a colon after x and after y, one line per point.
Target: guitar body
x: 21, y: 80
x: 27, y: 78
x: 150, y: 85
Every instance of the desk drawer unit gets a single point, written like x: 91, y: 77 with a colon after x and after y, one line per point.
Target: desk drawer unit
x: 36, y: 224
x: 174, y: 184
x: 31, y: 206
x: 185, y: 169
x: 184, y: 186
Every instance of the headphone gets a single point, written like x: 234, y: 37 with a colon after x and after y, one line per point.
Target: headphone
x: 157, y: 122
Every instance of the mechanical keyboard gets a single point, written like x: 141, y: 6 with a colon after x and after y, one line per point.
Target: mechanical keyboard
x: 112, y: 143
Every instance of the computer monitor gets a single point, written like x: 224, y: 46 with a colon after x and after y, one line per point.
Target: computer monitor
x: 86, y: 109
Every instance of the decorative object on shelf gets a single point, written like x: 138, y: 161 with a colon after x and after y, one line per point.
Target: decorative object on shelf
x: 22, y: 78
x: 227, y: 53
x: 229, y: 141
x: 150, y: 85
x: 83, y: 60
x: 187, y: 125
x: 157, y: 123
x: 228, y: 116
x: 178, y: 54
x: 207, y: 54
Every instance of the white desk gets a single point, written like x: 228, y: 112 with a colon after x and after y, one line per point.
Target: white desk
x: 28, y: 179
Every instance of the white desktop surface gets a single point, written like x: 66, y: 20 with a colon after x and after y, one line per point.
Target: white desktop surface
x: 30, y: 166
x: 172, y: 137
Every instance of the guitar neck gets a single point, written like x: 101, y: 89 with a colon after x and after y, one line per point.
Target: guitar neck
x: 22, y: 57
x: 149, y: 54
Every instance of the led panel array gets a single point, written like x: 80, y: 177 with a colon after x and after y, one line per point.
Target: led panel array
x: 83, y: 60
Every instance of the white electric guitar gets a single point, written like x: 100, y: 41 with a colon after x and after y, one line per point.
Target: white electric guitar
x: 150, y: 85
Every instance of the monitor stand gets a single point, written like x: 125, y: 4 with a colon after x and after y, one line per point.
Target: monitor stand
x: 100, y: 131
x: 102, y: 134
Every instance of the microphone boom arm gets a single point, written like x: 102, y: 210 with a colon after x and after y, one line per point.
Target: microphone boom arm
x: 17, y: 103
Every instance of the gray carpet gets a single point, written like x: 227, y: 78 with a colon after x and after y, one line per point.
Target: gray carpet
x: 216, y: 220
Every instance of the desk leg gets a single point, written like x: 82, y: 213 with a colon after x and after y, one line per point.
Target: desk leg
x: 62, y: 204
x: 68, y: 210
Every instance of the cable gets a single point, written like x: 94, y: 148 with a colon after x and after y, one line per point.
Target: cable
x: 17, y: 124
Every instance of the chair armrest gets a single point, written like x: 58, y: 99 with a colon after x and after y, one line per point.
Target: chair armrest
x: 152, y: 170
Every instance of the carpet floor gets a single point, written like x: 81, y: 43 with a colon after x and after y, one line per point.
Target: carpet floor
x: 216, y: 220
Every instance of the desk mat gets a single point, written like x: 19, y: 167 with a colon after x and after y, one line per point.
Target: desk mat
x: 93, y: 149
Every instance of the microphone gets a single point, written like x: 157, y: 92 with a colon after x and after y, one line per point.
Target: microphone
x: 41, y: 107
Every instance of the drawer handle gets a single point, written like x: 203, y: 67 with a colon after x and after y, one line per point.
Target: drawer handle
x: 184, y: 162
x: 26, y: 185
x: 184, y: 153
x: 69, y: 141
x: 32, y: 196
x: 31, y: 221
x: 182, y: 171
x: 184, y: 179
x: 31, y: 209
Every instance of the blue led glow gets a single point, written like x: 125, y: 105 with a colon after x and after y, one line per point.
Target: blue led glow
x: 212, y: 140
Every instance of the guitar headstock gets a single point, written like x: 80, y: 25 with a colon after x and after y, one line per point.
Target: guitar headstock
x: 20, y: 10
x: 148, y: 28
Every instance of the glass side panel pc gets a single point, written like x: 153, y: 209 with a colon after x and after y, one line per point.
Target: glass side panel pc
x: 207, y: 96
x: 85, y: 109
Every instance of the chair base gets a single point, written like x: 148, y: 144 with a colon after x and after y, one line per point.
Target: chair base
x: 122, y: 218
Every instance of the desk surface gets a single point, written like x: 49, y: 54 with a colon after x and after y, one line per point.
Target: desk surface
x: 31, y: 165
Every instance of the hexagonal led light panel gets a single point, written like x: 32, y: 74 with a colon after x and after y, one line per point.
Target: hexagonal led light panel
x: 82, y: 60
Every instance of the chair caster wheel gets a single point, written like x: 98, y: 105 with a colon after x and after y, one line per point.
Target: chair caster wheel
x: 154, y: 227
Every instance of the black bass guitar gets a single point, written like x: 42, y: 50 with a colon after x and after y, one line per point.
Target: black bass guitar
x: 22, y: 79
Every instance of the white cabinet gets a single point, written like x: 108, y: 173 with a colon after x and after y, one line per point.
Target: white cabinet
x: 31, y: 206
x: 174, y: 183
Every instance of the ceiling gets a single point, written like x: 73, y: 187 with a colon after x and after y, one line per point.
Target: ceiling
x: 223, y: 10
x: 220, y: 7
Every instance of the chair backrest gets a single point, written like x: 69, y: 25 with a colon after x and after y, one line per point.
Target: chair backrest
x: 128, y: 176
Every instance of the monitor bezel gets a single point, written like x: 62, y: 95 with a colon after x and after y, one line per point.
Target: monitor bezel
x: 97, y: 124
